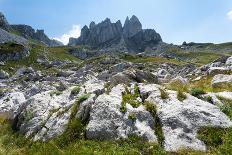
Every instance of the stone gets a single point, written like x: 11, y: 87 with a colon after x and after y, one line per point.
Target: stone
x: 107, y: 122
x: 8, y: 37
x: 217, y: 70
x: 46, y: 114
x: 221, y: 80
x: 12, y: 104
x: 229, y: 61
x: 4, y: 23
x: 4, y: 74
x: 29, y: 33
x: 181, y: 121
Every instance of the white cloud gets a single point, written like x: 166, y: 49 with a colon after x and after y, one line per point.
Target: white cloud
x: 229, y: 15
x: 75, y: 32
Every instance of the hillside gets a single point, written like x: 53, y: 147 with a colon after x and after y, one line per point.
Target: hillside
x: 115, y: 90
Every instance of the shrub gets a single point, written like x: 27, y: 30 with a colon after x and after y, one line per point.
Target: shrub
x: 163, y: 94
x: 131, y: 99
x: 75, y: 90
x: 150, y: 108
x: 209, y: 99
x: 177, y: 85
x: 55, y: 92
x: 181, y: 96
x: 123, y: 109
x: 132, y: 116
x: 197, y: 92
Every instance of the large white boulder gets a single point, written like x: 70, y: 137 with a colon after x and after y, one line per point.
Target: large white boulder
x: 182, y: 120
x: 46, y: 114
x: 222, y: 80
x: 11, y: 104
x: 108, y: 122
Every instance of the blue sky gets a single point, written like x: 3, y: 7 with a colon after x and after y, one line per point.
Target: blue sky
x: 175, y: 20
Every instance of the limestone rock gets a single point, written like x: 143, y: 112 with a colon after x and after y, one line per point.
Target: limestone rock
x: 222, y: 80
x: 11, y: 104
x: 182, y: 120
x: 3, y: 22
x: 107, y: 122
x: 3, y: 74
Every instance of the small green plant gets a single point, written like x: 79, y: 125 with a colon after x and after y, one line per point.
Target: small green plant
x: 197, y: 92
x: 132, y: 116
x: 83, y: 98
x: 181, y: 96
x: 163, y: 94
x: 130, y: 98
x: 209, y: 99
x: 177, y: 85
x: 75, y: 90
x: 123, y: 109
x: 150, y: 108
x: 55, y: 92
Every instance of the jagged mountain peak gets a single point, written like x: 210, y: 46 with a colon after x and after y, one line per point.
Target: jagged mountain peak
x: 106, y: 34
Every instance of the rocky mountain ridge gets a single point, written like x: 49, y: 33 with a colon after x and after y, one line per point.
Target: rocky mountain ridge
x: 130, y: 37
x: 20, y: 33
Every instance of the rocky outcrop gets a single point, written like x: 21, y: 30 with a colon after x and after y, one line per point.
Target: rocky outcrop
x: 3, y: 23
x: 222, y: 81
x: 8, y: 37
x: 181, y: 120
x: 13, y: 51
x: 108, y: 122
x: 100, y: 35
x: 29, y: 33
x: 130, y: 37
x: 3, y: 74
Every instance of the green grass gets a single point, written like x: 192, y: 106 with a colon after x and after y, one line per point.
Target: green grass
x: 131, y: 99
x: 163, y: 94
x: 141, y: 59
x: 55, y: 92
x: 75, y: 90
x: 181, y: 96
x: 197, y: 92
x: 15, y: 144
x: 132, y: 116
x: 205, y: 85
x: 10, y: 47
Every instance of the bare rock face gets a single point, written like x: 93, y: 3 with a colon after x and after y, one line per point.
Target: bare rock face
x: 3, y: 22
x: 131, y: 37
x: 29, y: 33
x: 8, y: 37
x: 101, y: 34
x: 181, y: 120
x: 131, y: 27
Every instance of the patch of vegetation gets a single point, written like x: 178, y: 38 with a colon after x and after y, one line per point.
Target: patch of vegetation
x: 209, y: 99
x: 218, y: 140
x: 132, y: 116
x: 123, y: 108
x: 55, y: 92
x: 143, y: 59
x: 227, y: 106
x: 159, y: 130
x: 15, y: 144
x: 75, y: 90
x: 150, y: 108
x: 10, y: 47
x: 197, y: 92
x: 163, y: 94
x: 178, y: 86
x: 181, y: 96
x: 131, y: 99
